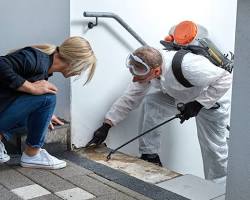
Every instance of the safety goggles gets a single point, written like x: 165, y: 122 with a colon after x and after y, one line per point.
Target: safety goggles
x: 136, y: 65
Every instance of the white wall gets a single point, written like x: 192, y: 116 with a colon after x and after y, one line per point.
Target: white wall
x: 111, y: 43
x: 30, y: 22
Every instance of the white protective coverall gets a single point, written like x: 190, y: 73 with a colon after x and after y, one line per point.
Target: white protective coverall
x: 210, y: 84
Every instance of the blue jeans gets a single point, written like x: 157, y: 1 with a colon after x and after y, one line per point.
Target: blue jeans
x: 31, y: 113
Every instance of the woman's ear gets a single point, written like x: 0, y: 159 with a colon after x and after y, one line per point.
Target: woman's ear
x: 56, y: 56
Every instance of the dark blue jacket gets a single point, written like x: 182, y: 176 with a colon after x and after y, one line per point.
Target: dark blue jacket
x: 25, y: 64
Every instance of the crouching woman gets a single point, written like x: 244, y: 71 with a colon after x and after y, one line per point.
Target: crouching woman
x: 28, y: 99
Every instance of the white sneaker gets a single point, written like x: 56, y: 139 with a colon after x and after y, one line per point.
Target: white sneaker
x: 4, y: 157
x: 42, y: 160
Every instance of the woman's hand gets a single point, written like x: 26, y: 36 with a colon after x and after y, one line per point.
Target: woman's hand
x: 54, y: 121
x: 38, y: 87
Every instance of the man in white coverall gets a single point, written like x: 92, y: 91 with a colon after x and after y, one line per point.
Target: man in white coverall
x: 150, y: 67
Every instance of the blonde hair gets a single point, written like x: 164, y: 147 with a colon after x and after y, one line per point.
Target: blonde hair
x: 76, y: 51
x: 150, y: 56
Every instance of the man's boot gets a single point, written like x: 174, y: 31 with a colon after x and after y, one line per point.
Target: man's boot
x: 153, y: 158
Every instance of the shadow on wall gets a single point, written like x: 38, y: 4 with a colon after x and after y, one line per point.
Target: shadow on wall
x: 108, y: 28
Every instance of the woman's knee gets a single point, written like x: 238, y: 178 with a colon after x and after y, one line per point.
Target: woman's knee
x: 50, y: 99
x: 45, y: 101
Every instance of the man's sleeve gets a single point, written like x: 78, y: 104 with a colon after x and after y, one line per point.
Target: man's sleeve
x: 130, y: 100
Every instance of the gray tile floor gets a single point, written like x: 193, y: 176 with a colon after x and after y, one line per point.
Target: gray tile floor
x: 70, y: 183
x: 84, y: 179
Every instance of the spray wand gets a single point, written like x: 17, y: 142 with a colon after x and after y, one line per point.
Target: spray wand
x: 180, y: 107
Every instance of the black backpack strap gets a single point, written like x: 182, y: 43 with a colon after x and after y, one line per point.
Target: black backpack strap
x: 170, y: 46
x: 176, y: 67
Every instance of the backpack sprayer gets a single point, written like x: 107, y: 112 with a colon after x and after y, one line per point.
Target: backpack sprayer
x: 192, y: 37
x: 220, y: 59
x: 207, y: 49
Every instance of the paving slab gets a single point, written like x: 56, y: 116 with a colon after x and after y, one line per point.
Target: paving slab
x: 30, y: 192
x: 46, y: 179
x: 48, y: 197
x: 5, y: 194
x: 91, y: 185
x: 75, y: 194
x: 71, y: 170
x: 12, y: 179
x: 193, y: 187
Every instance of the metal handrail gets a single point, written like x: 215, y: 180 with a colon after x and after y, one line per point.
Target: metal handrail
x: 117, y: 18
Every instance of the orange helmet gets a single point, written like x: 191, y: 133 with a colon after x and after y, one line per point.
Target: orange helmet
x: 185, y: 33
